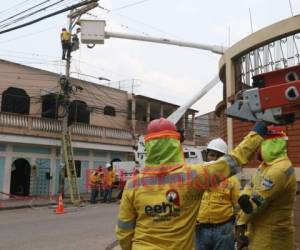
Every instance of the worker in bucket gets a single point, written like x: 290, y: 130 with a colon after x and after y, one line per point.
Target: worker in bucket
x: 267, y: 202
x: 159, y: 206
x: 218, y: 209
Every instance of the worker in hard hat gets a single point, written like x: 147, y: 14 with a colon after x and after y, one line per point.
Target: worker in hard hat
x: 65, y: 38
x: 109, y: 178
x: 219, y: 206
x: 267, y: 202
x: 159, y: 206
x: 95, y: 185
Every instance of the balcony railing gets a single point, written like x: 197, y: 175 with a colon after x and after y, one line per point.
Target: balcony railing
x: 12, y: 120
x: 54, y: 126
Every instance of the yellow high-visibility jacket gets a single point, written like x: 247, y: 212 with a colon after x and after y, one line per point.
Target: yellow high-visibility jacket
x: 65, y: 36
x: 221, y: 203
x: 111, y: 176
x: 272, y: 191
x: 95, y: 178
x: 158, y: 210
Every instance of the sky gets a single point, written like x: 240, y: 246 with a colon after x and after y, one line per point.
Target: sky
x: 169, y: 73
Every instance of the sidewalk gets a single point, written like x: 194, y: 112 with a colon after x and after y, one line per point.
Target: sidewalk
x: 43, y: 201
x: 28, y: 202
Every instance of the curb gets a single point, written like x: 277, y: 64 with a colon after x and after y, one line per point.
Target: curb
x: 50, y: 205
x: 23, y: 206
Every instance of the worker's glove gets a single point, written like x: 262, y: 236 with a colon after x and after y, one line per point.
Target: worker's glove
x: 260, y: 128
x: 181, y: 132
x: 245, y: 204
x: 241, y: 239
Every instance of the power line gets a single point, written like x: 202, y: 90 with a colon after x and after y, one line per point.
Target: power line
x: 29, y: 34
x: 30, y: 14
x: 14, y: 7
x: 29, y: 53
x: 24, y: 11
x: 49, y: 15
x: 129, y: 5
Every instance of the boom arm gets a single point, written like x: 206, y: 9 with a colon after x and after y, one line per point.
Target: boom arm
x: 177, y: 114
x: 213, y: 48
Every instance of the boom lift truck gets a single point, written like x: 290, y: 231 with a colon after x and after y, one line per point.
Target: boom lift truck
x: 93, y: 32
x: 274, y: 97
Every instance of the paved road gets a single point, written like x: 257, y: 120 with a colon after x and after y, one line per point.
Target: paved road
x: 87, y: 228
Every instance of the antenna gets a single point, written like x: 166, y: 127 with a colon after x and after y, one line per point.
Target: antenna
x: 291, y: 8
x: 251, y: 23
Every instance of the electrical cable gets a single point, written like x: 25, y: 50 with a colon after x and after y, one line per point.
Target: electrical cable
x: 14, y: 7
x: 29, y: 15
x: 49, y: 15
x: 28, y: 34
x: 24, y: 11
x: 129, y: 5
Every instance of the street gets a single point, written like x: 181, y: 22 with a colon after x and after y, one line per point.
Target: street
x: 90, y: 227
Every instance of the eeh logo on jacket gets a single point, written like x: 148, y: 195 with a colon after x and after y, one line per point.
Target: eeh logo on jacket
x: 166, y: 210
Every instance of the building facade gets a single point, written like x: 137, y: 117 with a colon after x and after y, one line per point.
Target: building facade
x: 104, y: 122
x: 30, y: 129
x: 207, y: 127
x: 143, y: 109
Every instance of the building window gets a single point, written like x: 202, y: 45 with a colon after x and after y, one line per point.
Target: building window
x: 15, y: 100
x: 49, y: 106
x: 79, y: 112
x: 109, y: 110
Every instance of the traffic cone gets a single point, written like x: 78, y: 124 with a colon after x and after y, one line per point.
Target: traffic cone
x: 60, y: 206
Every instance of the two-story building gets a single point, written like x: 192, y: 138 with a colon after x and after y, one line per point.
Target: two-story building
x: 105, y: 123
x: 30, y: 129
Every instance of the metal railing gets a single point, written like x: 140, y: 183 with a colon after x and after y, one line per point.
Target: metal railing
x: 54, y: 126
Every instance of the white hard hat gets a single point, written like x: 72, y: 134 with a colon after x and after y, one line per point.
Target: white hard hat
x: 107, y: 165
x: 218, y: 145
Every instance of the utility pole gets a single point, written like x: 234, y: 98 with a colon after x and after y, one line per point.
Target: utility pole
x: 67, y: 89
x: 66, y: 93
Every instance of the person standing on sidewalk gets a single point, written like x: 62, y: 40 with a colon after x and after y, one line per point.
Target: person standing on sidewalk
x: 95, y: 185
x: 109, y: 178
x: 219, y: 206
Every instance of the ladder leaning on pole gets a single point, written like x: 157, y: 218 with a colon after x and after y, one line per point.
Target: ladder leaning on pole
x: 71, y: 170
